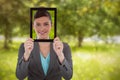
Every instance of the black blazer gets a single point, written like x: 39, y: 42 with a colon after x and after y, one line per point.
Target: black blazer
x: 33, y: 68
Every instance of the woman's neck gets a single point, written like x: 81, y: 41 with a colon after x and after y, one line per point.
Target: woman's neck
x: 44, y: 48
x: 44, y: 44
x: 42, y: 38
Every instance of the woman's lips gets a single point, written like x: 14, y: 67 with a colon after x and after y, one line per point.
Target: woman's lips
x: 42, y: 33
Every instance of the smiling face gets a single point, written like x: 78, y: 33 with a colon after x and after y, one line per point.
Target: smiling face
x: 42, y: 27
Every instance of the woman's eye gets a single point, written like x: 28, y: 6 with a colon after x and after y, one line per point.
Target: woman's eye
x: 46, y: 24
x: 37, y: 24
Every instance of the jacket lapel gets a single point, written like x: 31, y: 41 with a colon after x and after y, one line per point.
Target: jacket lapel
x: 52, y: 58
x: 36, y: 52
x: 37, y: 57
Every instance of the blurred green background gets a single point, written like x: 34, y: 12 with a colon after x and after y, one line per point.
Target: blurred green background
x: 90, y: 27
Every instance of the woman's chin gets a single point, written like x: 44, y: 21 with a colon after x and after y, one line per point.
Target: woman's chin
x: 43, y: 37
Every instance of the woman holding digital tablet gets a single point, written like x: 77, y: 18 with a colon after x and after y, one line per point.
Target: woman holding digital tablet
x: 44, y: 60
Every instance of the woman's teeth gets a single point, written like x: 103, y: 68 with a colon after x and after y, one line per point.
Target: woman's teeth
x: 42, y: 33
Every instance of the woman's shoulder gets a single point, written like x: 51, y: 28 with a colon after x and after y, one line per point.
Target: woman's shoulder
x: 66, y: 49
x: 22, y: 44
x: 65, y: 44
x: 21, y: 47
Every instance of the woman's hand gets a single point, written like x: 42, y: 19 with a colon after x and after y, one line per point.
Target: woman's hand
x: 28, y: 45
x: 58, y: 48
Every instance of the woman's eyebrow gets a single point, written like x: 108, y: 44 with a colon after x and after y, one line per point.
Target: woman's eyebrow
x: 37, y: 23
x: 46, y: 22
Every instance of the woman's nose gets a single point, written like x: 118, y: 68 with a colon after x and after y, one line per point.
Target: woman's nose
x: 42, y: 27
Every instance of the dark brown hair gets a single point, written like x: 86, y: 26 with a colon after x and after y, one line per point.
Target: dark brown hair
x: 42, y: 12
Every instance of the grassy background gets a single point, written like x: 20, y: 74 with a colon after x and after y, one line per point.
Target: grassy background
x: 90, y: 62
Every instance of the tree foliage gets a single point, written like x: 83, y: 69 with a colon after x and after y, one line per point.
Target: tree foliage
x: 82, y: 18
x: 13, y: 19
x: 78, y: 18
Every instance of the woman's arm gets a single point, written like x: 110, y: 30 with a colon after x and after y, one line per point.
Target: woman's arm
x: 63, y: 53
x: 23, y: 58
x: 22, y: 66
x: 66, y: 66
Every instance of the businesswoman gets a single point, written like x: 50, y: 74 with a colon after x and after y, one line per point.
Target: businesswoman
x: 44, y: 60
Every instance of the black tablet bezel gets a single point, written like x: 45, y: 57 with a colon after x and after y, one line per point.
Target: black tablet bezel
x: 55, y: 22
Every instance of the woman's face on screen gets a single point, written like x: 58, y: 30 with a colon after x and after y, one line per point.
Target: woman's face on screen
x: 42, y: 27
